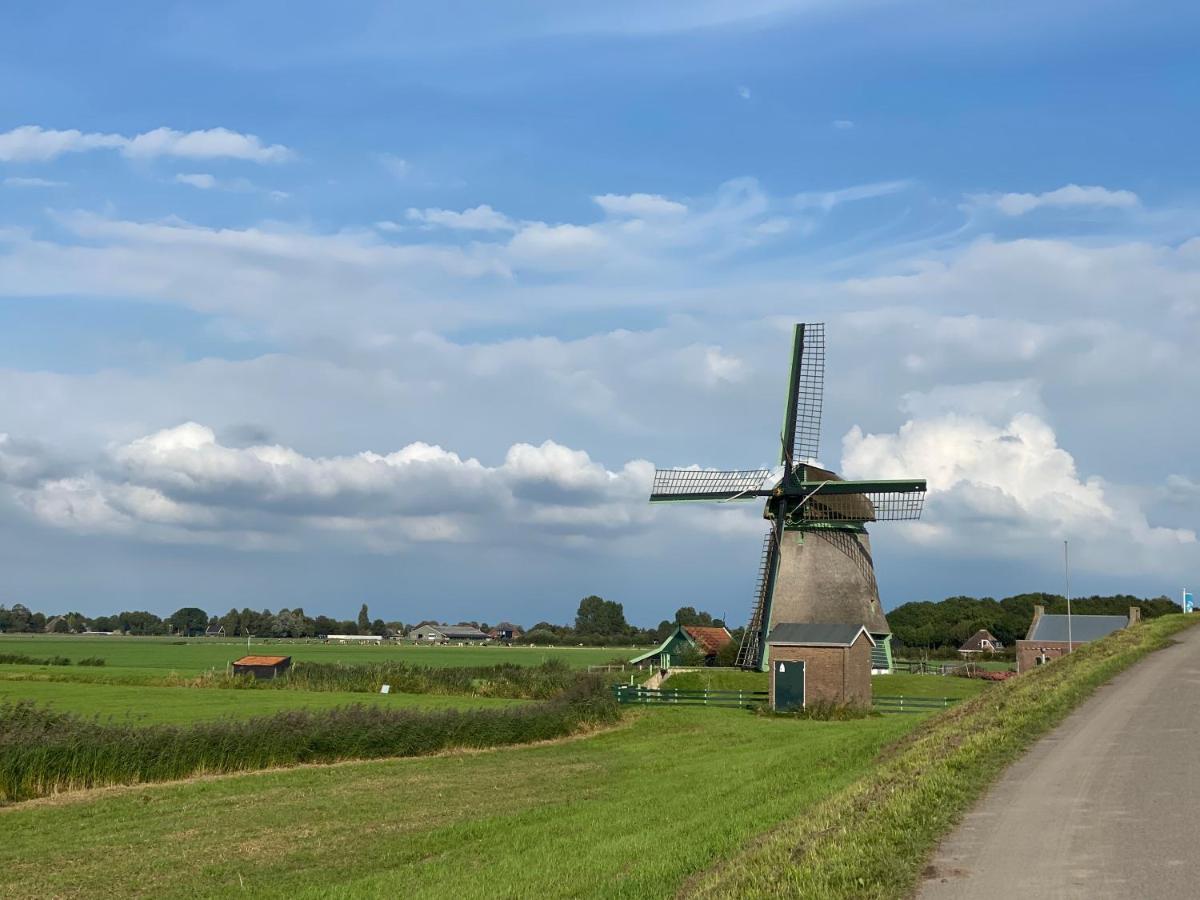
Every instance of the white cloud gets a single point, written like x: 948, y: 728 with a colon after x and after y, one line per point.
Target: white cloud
x: 843, y: 124
x: 199, y: 180
x: 1009, y: 490
x: 182, y: 485
x: 30, y: 143
x: 478, y: 218
x: 1071, y: 196
x: 640, y: 205
x: 744, y: 92
x: 18, y: 182
x: 397, y: 167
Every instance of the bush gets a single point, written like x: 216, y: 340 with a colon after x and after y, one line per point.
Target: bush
x: 44, y: 752
x: 91, y: 661
x: 20, y: 659
x: 822, y: 711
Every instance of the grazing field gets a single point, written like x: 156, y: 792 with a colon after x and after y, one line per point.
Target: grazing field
x: 154, y: 704
x: 196, y: 655
x: 629, y: 812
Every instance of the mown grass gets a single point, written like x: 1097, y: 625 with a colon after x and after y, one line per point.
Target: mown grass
x: 629, y: 812
x: 871, y: 839
x: 44, y: 751
x: 898, y: 685
x: 197, y: 655
x: 152, y: 704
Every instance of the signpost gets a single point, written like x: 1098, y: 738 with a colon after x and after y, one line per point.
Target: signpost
x: 1188, y: 605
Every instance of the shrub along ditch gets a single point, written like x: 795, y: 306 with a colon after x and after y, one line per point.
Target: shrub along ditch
x: 507, y: 680
x: 45, y: 752
x: 871, y: 839
x: 20, y: 659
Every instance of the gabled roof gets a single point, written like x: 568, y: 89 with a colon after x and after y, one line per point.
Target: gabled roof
x: 1083, y: 628
x: 261, y: 660
x: 458, y: 630
x: 975, y: 641
x: 214, y: 629
x: 817, y: 634
x: 709, y: 638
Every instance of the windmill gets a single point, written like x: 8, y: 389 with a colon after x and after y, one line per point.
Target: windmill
x: 816, y: 559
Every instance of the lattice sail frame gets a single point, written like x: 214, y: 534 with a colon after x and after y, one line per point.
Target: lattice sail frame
x: 708, y: 484
x: 810, y: 393
x: 900, y: 504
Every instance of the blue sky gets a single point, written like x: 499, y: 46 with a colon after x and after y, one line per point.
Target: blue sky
x: 311, y: 306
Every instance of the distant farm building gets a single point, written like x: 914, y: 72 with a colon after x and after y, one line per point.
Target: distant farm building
x: 447, y: 633
x: 706, y: 640
x: 1047, y: 638
x: 819, y: 663
x: 262, y: 666
x: 981, y: 641
x: 354, y: 638
x: 505, y: 631
x: 215, y: 631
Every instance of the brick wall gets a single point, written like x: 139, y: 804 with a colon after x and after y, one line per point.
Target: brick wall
x: 831, y: 674
x: 1029, y: 652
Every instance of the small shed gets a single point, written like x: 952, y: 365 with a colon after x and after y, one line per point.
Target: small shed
x: 262, y: 666
x: 819, y: 663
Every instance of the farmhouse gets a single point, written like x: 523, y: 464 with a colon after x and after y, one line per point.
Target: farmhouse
x: 1046, y: 639
x: 447, y: 633
x: 704, y: 639
x: 215, y: 631
x: 981, y: 641
x: 354, y: 638
x: 505, y: 631
x: 262, y: 666
x: 819, y: 663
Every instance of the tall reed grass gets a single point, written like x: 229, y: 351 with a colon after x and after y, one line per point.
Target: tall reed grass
x: 45, y: 752
x: 507, y: 680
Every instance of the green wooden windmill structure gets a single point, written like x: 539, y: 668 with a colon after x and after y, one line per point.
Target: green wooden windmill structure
x: 816, y: 559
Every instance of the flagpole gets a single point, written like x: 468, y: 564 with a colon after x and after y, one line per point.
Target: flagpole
x: 1067, y: 573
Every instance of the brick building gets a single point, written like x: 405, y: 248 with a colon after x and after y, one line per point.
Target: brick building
x: 1046, y: 639
x: 819, y: 663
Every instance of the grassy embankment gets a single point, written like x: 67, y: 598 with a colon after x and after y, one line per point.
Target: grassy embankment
x: 629, y: 812
x: 871, y: 839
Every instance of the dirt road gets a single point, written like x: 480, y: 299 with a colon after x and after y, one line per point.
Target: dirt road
x: 1107, y: 805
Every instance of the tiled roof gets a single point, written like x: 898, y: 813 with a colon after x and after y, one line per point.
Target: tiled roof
x: 709, y: 638
x: 261, y: 660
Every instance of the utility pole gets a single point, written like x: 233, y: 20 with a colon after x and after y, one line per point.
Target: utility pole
x: 1067, y: 574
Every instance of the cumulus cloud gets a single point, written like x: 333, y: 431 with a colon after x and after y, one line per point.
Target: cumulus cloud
x: 478, y: 218
x: 1009, y: 489
x: 32, y: 143
x: 182, y: 484
x: 203, y: 181
x: 1071, y: 196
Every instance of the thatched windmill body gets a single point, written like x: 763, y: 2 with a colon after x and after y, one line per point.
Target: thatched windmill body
x: 816, y: 561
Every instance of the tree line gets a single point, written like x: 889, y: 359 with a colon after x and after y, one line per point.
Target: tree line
x: 947, y: 623
x: 598, y: 622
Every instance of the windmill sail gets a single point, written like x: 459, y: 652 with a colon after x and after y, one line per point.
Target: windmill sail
x: 707, y: 484
x: 806, y: 395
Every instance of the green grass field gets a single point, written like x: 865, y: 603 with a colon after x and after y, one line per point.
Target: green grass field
x: 898, y: 685
x: 196, y: 655
x: 631, y: 812
x: 150, y: 704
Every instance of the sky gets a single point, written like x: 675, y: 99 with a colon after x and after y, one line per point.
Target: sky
x: 314, y: 305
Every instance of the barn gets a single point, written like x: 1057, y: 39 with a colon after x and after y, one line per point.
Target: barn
x: 706, y: 640
x: 262, y: 666
x: 819, y: 663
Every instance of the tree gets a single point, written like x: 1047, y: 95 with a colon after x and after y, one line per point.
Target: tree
x: 364, y: 620
x: 600, y: 617
x: 61, y: 626
x: 687, y: 615
x: 188, y: 620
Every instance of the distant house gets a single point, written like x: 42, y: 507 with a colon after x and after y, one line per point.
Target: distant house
x: 262, y: 666
x: 706, y: 640
x: 981, y: 641
x: 354, y: 638
x: 1047, y: 638
x: 505, y: 631
x: 443, y: 633
x: 51, y: 623
x: 215, y: 631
